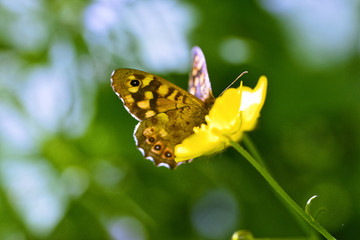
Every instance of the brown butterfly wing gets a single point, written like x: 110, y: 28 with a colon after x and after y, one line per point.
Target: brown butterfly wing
x: 144, y: 95
x: 167, y: 113
x: 156, y: 137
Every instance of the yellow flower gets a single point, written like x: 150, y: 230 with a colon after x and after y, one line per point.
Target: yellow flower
x: 234, y: 112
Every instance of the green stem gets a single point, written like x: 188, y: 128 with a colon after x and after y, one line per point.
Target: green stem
x: 292, y: 204
x: 252, y: 149
x: 254, y: 152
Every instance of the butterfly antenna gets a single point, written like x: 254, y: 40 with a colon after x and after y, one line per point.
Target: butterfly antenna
x: 234, y: 81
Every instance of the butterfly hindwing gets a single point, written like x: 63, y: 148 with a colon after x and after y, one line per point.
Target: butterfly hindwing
x: 157, y: 137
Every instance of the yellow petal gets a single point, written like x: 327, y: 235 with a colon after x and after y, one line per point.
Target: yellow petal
x: 234, y: 112
x: 252, y: 101
x: 225, y: 114
x: 200, y: 143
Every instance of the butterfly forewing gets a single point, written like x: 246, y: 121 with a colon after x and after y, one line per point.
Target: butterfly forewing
x: 145, y: 95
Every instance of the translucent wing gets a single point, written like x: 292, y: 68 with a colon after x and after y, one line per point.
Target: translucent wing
x: 199, y: 82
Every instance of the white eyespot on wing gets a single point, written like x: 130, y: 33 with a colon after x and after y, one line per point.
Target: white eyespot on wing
x: 163, y: 165
x: 134, y: 134
x: 150, y: 158
x: 142, y: 151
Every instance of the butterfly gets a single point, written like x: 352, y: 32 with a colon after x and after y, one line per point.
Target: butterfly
x: 166, y: 113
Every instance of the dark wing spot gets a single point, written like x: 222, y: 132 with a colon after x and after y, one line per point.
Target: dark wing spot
x: 177, y: 96
x: 171, y: 90
x: 139, y: 76
x: 135, y: 83
x: 153, y: 86
x: 153, y: 104
x: 168, y: 154
x: 158, y: 148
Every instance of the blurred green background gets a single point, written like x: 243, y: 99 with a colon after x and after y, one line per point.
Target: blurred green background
x: 69, y: 168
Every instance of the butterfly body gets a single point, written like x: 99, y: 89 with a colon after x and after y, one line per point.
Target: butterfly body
x: 167, y: 113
